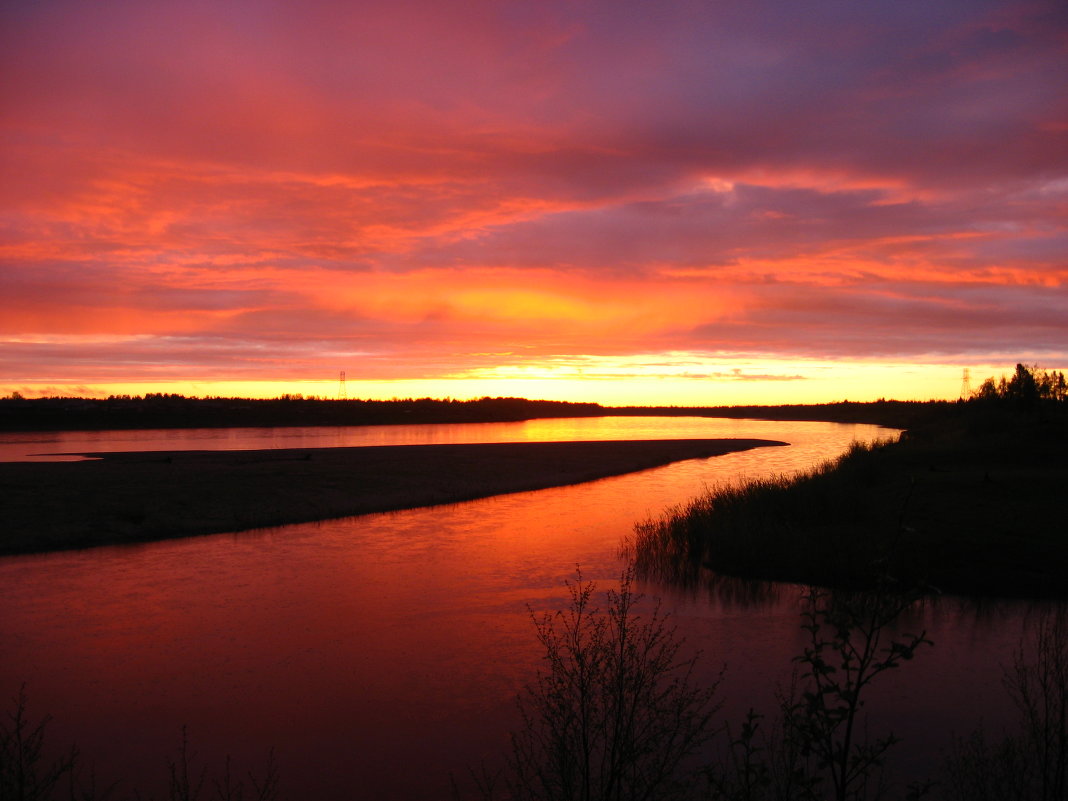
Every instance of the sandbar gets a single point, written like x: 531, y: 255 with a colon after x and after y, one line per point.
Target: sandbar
x: 131, y: 497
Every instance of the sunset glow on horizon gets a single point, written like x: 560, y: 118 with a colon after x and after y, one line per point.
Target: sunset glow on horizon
x: 680, y: 203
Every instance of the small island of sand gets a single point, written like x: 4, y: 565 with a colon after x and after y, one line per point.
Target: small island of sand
x: 141, y: 496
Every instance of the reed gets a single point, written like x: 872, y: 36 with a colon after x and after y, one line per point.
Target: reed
x: 970, y: 504
x: 800, y: 528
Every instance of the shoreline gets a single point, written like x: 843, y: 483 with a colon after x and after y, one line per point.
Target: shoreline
x: 971, y: 507
x: 163, y: 412
x: 143, y: 496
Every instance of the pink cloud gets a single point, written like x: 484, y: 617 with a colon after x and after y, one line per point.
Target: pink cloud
x: 420, y: 182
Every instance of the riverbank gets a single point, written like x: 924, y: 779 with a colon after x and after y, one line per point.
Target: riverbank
x: 141, y: 496
x: 971, y: 503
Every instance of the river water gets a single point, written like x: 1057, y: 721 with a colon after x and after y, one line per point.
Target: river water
x: 376, y: 654
x: 811, y: 438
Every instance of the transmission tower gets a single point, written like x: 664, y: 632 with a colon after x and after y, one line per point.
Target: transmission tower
x: 966, y: 385
x: 342, y: 393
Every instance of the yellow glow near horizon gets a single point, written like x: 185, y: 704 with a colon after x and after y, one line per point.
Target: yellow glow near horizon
x: 618, y: 382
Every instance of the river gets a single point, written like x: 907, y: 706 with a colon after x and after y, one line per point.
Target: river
x: 376, y: 654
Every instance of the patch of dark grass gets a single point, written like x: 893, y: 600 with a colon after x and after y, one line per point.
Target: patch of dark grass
x: 776, y: 528
x: 971, y: 504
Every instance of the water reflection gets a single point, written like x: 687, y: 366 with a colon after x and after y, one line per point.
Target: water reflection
x: 700, y: 584
x: 381, y: 652
x: 733, y: 592
x: 55, y: 446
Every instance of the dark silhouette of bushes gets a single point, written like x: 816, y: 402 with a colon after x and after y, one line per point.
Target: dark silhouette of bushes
x: 819, y: 746
x: 615, y: 715
x: 28, y: 772
x: 1028, y: 386
x: 968, y: 502
x: 1030, y: 764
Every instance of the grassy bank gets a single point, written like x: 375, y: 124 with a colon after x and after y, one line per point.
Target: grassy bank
x: 971, y: 502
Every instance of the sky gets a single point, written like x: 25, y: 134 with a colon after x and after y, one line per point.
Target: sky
x: 679, y: 203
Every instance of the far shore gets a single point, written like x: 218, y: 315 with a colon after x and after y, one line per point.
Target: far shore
x: 175, y: 411
x: 135, y: 497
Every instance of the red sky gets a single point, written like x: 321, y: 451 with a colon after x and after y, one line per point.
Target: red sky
x: 628, y: 202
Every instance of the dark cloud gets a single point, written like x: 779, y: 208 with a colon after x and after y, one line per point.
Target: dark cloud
x: 248, y: 186
x: 862, y: 323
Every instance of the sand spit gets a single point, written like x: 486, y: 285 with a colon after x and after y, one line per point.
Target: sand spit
x: 142, y: 496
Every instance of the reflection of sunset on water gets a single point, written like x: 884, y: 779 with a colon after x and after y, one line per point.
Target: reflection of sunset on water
x: 361, y: 647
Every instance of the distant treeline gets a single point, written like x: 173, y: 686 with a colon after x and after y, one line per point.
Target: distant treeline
x: 177, y: 411
x: 895, y: 414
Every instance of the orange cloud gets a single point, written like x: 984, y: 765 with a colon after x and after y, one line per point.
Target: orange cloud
x: 195, y: 190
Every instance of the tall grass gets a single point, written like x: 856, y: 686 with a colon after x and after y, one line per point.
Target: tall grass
x: 970, y: 504
x: 804, y: 528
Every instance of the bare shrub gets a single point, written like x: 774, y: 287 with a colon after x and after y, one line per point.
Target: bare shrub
x: 819, y: 748
x: 1032, y: 763
x: 26, y: 773
x: 615, y: 714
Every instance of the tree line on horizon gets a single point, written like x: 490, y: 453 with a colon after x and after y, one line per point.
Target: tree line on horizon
x: 1027, y: 386
x: 159, y: 410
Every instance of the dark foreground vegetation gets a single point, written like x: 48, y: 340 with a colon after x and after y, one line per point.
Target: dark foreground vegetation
x: 32, y: 771
x: 616, y: 714
x: 969, y: 501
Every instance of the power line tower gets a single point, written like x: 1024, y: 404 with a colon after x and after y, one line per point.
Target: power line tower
x: 342, y: 392
x: 966, y: 384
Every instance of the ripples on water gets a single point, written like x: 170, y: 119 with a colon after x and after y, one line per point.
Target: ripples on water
x: 377, y: 653
x: 55, y: 445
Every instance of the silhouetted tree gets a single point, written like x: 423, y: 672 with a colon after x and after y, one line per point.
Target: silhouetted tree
x: 819, y: 749
x: 1028, y: 386
x: 1031, y: 764
x: 26, y: 772
x: 616, y: 714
